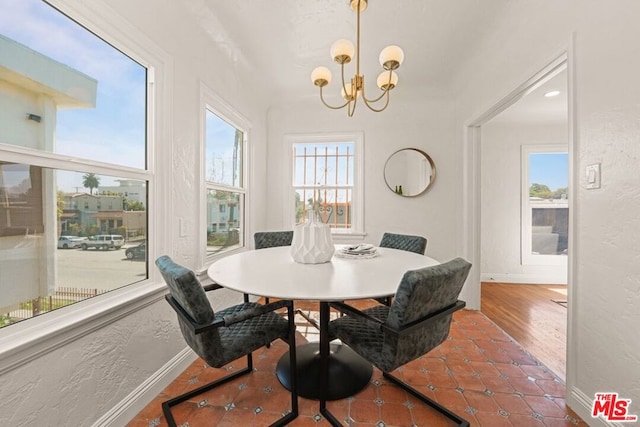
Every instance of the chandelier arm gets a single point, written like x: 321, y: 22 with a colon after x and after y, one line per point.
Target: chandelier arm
x: 384, y: 92
x: 351, y: 108
x: 386, y: 103
x: 331, y: 106
x: 373, y: 101
x: 344, y: 85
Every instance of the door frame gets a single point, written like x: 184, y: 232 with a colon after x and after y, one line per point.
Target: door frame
x: 471, y: 194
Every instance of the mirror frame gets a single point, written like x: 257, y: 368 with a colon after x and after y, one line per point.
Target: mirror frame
x: 422, y: 153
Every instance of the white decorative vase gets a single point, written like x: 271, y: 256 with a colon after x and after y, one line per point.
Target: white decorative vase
x: 312, y: 242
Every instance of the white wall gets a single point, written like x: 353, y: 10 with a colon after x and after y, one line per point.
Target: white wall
x: 79, y: 381
x: 423, y: 121
x: 501, y: 178
x: 604, y: 292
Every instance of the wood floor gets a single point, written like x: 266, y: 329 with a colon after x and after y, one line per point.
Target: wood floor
x: 533, y: 315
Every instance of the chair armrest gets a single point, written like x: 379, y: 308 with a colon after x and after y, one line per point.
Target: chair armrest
x: 211, y: 287
x: 196, y: 327
x: 254, y: 312
x: 406, y: 328
x: 352, y: 311
x: 207, y: 283
x: 418, y: 323
x: 218, y: 322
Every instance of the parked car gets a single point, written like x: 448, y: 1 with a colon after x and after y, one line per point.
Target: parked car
x: 103, y: 241
x: 138, y: 251
x: 70, y: 242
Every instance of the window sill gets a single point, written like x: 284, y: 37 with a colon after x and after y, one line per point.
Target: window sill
x: 30, y: 339
x: 343, y: 237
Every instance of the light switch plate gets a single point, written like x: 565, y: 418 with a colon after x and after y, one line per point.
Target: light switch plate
x: 592, y: 175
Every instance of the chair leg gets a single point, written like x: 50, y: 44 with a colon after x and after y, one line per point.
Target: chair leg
x: 308, y: 319
x: 384, y: 300
x: 294, y: 372
x: 324, y: 364
x: 166, y: 406
x: 461, y: 422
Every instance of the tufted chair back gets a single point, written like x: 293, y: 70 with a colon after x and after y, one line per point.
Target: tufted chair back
x: 421, y: 293
x: 187, y: 291
x: 271, y: 239
x: 405, y: 242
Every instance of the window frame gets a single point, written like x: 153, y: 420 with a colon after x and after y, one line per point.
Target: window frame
x: 210, y: 100
x: 32, y: 338
x: 526, y: 257
x: 357, y: 208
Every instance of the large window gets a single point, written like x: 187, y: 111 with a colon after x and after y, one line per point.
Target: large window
x: 545, y: 204
x: 224, y: 169
x: 326, y: 178
x: 73, y: 163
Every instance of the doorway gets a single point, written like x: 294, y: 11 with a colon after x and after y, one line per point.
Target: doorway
x: 522, y: 238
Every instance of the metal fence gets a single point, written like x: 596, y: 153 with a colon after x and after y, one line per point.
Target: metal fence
x: 62, y: 297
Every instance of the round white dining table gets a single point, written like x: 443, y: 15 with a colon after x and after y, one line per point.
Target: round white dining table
x: 273, y: 273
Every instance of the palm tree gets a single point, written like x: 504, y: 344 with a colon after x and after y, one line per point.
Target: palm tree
x: 90, y: 181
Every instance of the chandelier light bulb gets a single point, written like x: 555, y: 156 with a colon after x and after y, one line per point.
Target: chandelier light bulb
x: 383, y: 80
x: 321, y: 76
x: 342, y: 51
x: 391, y: 57
x: 347, y: 96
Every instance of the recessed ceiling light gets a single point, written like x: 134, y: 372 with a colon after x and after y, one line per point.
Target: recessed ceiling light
x: 552, y: 93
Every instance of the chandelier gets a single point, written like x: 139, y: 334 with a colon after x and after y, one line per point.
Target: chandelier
x: 342, y: 52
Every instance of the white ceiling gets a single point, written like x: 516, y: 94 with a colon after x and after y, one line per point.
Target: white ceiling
x: 284, y: 40
x: 536, y: 108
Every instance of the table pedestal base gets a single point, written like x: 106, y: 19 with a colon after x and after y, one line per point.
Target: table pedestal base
x: 348, y: 372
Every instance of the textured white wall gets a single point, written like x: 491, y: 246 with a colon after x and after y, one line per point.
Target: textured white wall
x: 79, y: 382
x: 501, y: 202
x: 423, y: 121
x: 603, y: 346
x: 76, y: 384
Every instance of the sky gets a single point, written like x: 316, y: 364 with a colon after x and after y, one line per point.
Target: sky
x: 114, y: 131
x: 550, y: 169
x: 219, y: 154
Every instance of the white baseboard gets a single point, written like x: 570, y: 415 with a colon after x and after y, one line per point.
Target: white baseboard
x: 524, y: 278
x: 139, y: 398
x: 582, y: 404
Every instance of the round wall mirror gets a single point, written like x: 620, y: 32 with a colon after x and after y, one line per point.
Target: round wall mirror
x: 409, y: 172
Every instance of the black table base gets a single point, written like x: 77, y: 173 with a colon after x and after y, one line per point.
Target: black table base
x: 348, y: 372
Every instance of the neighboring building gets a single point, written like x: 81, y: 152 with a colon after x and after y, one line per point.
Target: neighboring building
x: 33, y: 87
x: 104, y: 212
x: 222, y: 214
x: 130, y: 189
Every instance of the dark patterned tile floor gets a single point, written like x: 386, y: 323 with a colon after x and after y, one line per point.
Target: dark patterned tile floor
x: 479, y: 373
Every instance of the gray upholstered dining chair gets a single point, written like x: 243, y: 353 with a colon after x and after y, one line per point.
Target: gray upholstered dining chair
x: 226, y: 335
x: 417, y: 321
x: 404, y: 242
x: 272, y: 239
